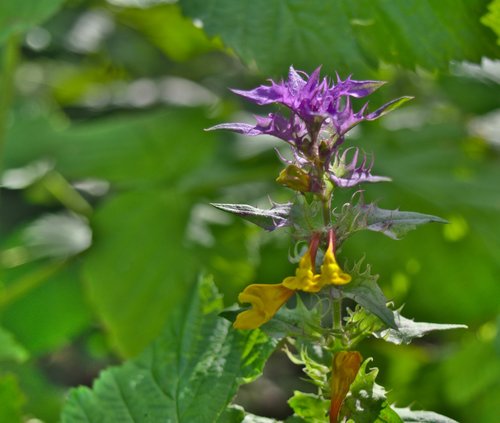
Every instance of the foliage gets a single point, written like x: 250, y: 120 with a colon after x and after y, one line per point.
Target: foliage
x: 105, y: 169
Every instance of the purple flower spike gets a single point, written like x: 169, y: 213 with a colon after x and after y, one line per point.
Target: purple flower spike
x: 346, y: 175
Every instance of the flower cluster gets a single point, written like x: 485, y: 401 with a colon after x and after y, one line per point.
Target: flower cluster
x: 319, y: 115
x: 266, y: 299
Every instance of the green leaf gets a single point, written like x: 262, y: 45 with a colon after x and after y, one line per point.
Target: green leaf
x: 349, y: 35
x: 406, y: 330
x: 189, y: 374
x: 11, y: 400
x: 311, y: 407
x: 413, y: 416
x: 365, y: 291
x: 137, y: 271
x: 18, y: 17
x: 269, y: 219
x: 492, y: 18
x: 366, y: 401
x: 10, y: 349
x: 393, y: 223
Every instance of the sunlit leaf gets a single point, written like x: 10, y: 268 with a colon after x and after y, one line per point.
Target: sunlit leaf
x: 417, y: 416
x: 10, y: 349
x: 189, y: 374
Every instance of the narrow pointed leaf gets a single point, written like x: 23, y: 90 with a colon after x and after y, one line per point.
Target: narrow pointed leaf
x: 270, y: 219
x: 387, y: 108
x: 407, y: 330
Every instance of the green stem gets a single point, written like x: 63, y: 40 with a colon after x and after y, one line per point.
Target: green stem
x: 337, y: 314
x: 9, y: 62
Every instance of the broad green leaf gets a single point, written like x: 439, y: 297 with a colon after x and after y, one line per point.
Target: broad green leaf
x: 269, y: 219
x: 18, y: 17
x: 10, y: 349
x: 138, y: 270
x: 346, y: 35
x: 189, y: 374
x: 406, y: 330
x: 311, y: 407
x: 11, y: 399
x: 416, y: 416
x: 166, y: 28
x: 492, y: 18
x: 365, y: 291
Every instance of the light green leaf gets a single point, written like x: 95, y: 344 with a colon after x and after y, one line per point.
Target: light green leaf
x: 365, y: 291
x: 10, y: 349
x: 492, y: 18
x: 11, y: 399
x: 311, y: 407
x: 17, y: 17
x: 269, y: 219
x: 414, y: 416
x: 188, y: 375
x: 349, y: 35
x: 407, y: 330
x: 137, y: 271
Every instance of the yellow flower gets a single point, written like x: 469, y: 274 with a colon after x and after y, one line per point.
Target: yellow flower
x: 265, y: 300
x: 345, y: 367
x: 331, y: 273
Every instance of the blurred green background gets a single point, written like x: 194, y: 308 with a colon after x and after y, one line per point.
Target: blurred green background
x: 106, y: 176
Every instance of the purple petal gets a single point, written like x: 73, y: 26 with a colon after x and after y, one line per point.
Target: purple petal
x: 240, y: 128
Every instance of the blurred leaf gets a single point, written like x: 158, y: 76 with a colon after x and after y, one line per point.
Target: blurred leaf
x: 11, y: 400
x: 190, y: 372
x: 415, y: 416
x: 166, y: 28
x: 18, y: 17
x: 10, y: 349
x: 268, y: 219
x: 492, y: 18
x: 346, y: 35
x: 50, y: 311
x: 406, y: 330
x: 138, y: 270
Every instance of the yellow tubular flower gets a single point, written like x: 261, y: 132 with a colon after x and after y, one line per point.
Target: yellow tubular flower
x: 331, y: 273
x: 265, y: 300
x: 304, y: 279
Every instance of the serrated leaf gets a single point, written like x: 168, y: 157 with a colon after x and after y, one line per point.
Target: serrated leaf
x: 415, y: 416
x: 311, y: 407
x: 17, y: 17
x: 366, y: 401
x: 406, y: 330
x: 188, y: 375
x: 365, y: 291
x: 346, y: 35
x: 10, y: 349
x: 270, y: 219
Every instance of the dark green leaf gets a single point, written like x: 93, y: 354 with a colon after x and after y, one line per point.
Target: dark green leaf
x: 413, y: 416
x: 365, y: 291
x: 269, y: 219
x: 346, y: 35
x: 188, y: 375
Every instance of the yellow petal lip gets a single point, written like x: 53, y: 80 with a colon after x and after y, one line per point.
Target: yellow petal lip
x: 331, y: 273
x: 265, y: 299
